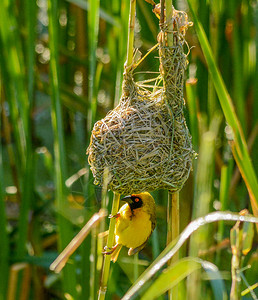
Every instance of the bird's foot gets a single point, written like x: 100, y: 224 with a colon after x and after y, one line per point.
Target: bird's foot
x: 107, y: 248
x: 108, y: 251
x: 114, y: 216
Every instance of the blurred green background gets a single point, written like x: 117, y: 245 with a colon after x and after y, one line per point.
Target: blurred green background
x: 61, y: 70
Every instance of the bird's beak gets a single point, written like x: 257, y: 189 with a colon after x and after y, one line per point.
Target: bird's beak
x: 127, y: 199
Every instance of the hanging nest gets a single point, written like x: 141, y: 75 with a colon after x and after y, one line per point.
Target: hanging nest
x: 144, y: 142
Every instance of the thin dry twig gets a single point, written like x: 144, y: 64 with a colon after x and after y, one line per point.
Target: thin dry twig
x: 62, y: 259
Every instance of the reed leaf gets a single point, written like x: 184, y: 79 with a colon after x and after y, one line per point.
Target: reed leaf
x: 93, y: 30
x: 20, y: 111
x: 65, y: 230
x: 5, y: 250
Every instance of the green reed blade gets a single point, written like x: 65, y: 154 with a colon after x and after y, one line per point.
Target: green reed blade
x: 237, y: 53
x: 102, y: 13
x: 214, y: 19
x: 171, y: 277
x: 255, y: 111
x: 122, y: 41
x: 20, y: 108
x: 93, y: 31
x: 191, y: 89
x: 4, y: 253
x: 64, y: 226
x: 180, y: 270
x: 226, y: 174
x: 11, y: 56
x: 31, y: 14
x: 149, y: 18
x: 27, y: 186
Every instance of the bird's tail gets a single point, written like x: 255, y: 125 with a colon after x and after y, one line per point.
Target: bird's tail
x: 115, y: 253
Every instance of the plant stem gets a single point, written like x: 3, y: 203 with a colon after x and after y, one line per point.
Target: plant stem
x: 236, y: 241
x: 169, y: 11
x: 93, y: 265
x: 130, y: 42
x: 173, y: 231
x: 110, y: 243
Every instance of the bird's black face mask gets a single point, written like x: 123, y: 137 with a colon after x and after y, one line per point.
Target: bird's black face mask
x: 133, y: 201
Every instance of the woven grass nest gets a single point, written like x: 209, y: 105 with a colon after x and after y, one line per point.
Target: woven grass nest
x: 144, y: 142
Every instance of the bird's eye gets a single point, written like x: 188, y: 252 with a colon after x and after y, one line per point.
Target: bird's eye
x: 136, y: 199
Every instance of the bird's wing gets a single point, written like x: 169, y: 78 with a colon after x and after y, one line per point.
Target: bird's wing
x: 153, y: 223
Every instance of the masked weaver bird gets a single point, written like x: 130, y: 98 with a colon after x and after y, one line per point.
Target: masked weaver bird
x: 135, y: 222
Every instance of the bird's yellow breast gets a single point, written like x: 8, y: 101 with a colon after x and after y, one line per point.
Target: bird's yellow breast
x: 132, y: 230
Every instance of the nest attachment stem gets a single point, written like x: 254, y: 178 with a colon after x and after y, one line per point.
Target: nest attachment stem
x: 169, y: 13
x: 130, y: 42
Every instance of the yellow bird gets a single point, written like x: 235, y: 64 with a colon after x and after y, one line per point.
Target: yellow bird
x: 135, y: 222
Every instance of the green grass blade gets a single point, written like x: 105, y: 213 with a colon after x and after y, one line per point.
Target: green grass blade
x: 9, y: 94
x: 193, y: 111
x: 155, y: 243
x: 238, y: 83
x: 31, y: 14
x: 20, y: 108
x: 217, y: 283
x: 214, y: 16
x: 102, y: 13
x: 149, y: 18
x: 121, y: 33
x: 179, y: 271
x: 239, y: 143
x: 93, y: 30
x: 12, y: 75
x: 226, y: 176
x: 65, y: 230
x: 4, y: 253
x: 226, y: 173
x: 255, y: 111
x: 171, y: 277
x: 27, y: 186
x: 27, y: 192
